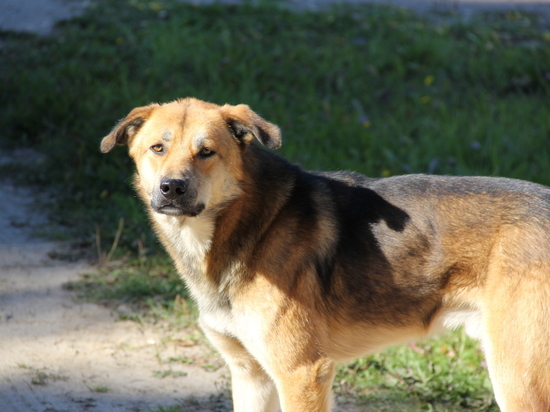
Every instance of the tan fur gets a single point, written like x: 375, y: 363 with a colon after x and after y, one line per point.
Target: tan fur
x: 294, y: 272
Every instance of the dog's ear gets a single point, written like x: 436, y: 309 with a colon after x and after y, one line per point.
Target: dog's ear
x: 126, y: 128
x: 246, y: 125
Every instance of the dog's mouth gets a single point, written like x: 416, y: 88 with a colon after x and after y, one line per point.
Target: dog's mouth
x: 176, y: 210
x: 172, y: 202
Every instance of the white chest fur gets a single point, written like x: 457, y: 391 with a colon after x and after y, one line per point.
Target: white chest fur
x: 190, y: 237
x: 189, y: 240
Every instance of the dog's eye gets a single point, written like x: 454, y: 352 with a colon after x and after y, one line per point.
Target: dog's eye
x: 157, y: 148
x: 206, y: 152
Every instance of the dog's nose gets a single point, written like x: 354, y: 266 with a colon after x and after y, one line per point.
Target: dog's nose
x: 173, y: 188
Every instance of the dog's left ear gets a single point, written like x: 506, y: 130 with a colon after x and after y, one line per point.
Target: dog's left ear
x: 246, y: 125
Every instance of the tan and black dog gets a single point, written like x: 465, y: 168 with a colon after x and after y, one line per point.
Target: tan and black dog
x: 295, y: 271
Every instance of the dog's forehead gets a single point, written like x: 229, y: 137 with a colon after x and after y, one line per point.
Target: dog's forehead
x: 186, y: 120
x: 185, y: 114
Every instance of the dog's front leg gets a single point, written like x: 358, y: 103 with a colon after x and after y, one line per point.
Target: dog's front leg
x: 308, y: 387
x: 252, y: 388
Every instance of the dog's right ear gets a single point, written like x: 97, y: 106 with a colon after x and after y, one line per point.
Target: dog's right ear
x: 126, y: 128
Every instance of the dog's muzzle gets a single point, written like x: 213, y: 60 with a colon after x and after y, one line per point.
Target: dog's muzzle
x: 174, y: 198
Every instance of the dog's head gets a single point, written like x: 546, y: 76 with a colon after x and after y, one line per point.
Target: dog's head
x: 189, y: 153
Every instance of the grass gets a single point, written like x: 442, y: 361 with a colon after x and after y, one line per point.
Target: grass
x: 41, y: 377
x: 440, y: 374
x: 150, y: 289
x: 100, y: 389
x: 374, y: 89
x: 168, y: 372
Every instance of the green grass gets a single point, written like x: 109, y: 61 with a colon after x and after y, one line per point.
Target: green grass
x: 439, y: 97
x: 99, y: 389
x: 440, y: 374
x: 373, y: 89
x: 41, y: 376
x: 149, y: 289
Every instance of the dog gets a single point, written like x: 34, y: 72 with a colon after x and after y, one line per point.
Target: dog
x: 294, y: 271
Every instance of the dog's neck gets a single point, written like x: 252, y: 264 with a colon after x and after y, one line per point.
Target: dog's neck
x: 266, y: 188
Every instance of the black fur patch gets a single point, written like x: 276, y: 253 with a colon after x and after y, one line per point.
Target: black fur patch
x: 129, y: 129
x: 238, y: 130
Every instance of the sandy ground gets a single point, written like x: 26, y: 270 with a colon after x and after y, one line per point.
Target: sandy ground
x: 57, y: 354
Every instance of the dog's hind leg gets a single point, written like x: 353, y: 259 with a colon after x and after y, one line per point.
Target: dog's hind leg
x: 252, y: 388
x: 517, y: 337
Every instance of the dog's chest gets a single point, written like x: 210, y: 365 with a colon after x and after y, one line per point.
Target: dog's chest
x: 188, y: 241
x: 217, y: 310
x: 248, y: 325
x: 189, y: 244
x: 191, y: 236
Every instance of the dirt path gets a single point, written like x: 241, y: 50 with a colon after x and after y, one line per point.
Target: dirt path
x: 57, y: 354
